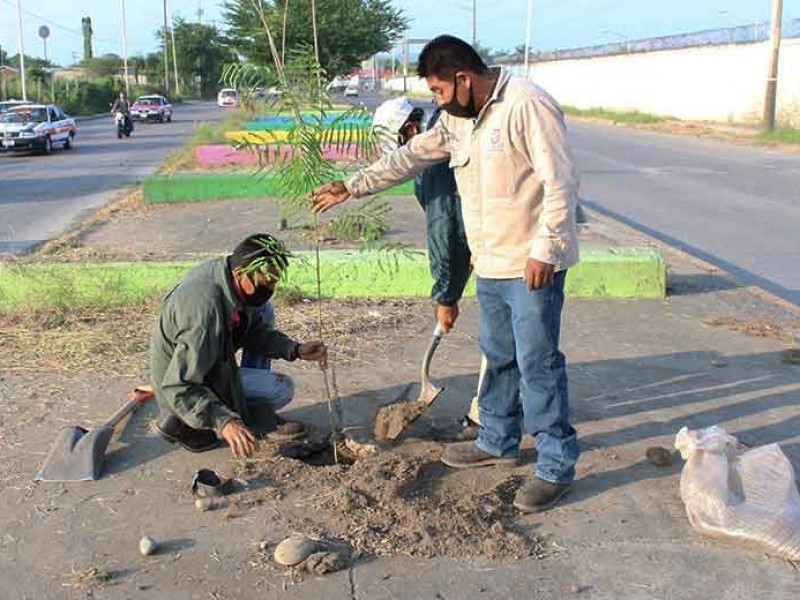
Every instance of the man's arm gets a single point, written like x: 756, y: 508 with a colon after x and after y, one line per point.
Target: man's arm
x: 539, y: 132
x: 197, y: 351
x: 267, y: 341
x: 392, y: 169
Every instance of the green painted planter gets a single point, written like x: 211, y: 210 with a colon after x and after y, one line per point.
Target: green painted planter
x: 618, y: 273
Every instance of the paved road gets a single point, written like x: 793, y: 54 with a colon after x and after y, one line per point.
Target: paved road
x: 736, y: 207
x: 41, y: 196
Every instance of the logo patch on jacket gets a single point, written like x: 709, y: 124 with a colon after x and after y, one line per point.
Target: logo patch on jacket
x: 495, y: 140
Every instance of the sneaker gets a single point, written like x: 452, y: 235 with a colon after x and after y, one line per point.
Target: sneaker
x: 538, y: 495
x: 175, y: 431
x: 464, y: 455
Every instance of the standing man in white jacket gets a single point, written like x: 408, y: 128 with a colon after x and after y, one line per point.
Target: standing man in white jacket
x: 505, y: 139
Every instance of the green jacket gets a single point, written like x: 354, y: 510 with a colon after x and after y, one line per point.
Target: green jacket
x: 448, y: 252
x: 192, y: 364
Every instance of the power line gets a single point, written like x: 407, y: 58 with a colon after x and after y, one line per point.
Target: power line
x: 58, y: 25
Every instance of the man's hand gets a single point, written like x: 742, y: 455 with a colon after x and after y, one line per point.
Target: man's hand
x: 446, y: 316
x: 313, y: 351
x: 329, y: 195
x: 538, y: 274
x: 240, y: 439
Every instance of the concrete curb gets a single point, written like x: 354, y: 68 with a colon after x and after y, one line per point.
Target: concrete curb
x: 167, y: 189
x: 617, y: 273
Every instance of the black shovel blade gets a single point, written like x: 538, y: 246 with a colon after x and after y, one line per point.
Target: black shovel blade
x: 77, y: 455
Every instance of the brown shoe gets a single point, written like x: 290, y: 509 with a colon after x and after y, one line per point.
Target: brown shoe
x: 465, y: 455
x: 175, y: 431
x: 538, y: 495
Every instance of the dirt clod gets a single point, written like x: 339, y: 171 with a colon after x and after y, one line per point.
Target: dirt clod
x: 324, y: 562
x: 391, y: 420
x: 791, y: 356
x: 658, y: 456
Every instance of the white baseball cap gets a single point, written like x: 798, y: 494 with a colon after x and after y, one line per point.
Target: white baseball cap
x: 388, y: 120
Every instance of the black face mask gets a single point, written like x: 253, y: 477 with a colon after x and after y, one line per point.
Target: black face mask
x: 260, y: 296
x: 458, y: 110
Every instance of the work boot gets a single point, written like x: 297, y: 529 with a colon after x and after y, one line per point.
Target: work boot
x: 469, y: 430
x: 538, y: 495
x: 464, y: 455
x: 175, y: 431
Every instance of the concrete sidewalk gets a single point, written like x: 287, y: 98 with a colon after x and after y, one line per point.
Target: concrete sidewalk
x: 712, y: 352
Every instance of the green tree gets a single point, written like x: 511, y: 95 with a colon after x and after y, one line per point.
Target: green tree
x: 107, y: 65
x: 202, y: 53
x: 349, y: 30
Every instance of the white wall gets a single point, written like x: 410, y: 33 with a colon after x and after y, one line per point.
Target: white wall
x: 713, y: 83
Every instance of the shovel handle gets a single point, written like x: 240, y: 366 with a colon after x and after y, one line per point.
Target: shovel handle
x: 127, y: 408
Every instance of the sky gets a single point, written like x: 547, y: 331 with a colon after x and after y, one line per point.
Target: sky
x: 557, y: 24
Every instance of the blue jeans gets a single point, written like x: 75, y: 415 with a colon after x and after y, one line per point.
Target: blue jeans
x: 526, y: 377
x: 261, y: 384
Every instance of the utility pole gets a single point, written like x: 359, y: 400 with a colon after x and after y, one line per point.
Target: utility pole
x: 21, y: 49
x: 770, y: 100
x: 124, y: 32
x: 528, y: 21
x: 474, y: 23
x: 174, y: 54
x: 166, y: 52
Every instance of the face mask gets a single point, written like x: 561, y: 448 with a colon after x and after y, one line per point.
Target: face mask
x: 260, y: 296
x: 458, y: 110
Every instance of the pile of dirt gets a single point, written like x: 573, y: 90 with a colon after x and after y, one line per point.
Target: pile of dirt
x: 392, y: 419
x: 391, y: 504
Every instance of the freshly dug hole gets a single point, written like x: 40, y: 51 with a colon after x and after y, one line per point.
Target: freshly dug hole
x: 318, y: 453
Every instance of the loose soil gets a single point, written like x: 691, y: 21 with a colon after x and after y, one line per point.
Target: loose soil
x: 391, y: 420
x: 396, y: 502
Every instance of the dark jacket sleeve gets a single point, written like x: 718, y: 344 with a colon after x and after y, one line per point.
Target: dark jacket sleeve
x: 198, y: 347
x: 448, y: 251
x: 267, y: 341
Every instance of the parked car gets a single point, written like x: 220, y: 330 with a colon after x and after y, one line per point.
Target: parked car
x: 228, y: 97
x: 351, y: 91
x: 36, y: 127
x: 6, y: 105
x: 152, y: 108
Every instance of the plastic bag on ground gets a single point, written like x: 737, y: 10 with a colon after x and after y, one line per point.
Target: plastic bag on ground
x: 746, y: 496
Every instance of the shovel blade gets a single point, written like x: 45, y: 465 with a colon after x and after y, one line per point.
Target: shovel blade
x: 76, y: 455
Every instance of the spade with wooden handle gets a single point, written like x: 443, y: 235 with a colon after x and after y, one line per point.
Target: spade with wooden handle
x: 79, y: 454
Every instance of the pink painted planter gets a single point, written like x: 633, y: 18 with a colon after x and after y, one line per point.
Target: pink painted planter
x: 222, y: 154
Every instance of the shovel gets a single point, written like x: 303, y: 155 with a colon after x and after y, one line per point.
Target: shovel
x: 427, y: 393
x: 78, y: 454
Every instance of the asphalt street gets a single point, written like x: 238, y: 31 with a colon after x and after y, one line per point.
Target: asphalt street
x: 41, y: 196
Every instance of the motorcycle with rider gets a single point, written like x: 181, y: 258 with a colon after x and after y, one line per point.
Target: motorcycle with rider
x: 121, y: 110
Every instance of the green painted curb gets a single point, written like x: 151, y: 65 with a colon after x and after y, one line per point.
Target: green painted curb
x: 168, y: 189
x: 618, y: 273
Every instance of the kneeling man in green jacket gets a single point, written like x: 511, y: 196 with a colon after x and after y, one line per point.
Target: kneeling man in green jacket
x: 217, y: 309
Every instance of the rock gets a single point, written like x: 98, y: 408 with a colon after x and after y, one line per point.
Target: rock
x: 212, y: 503
x: 147, y: 545
x: 791, y: 356
x: 294, y: 550
x: 719, y: 362
x: 321, y: 563
x: 658, y: 456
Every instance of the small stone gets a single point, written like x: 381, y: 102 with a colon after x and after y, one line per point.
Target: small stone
x: 720, y: 362
x: 791, y: 356
x: 294, y: 550
x: 321, y: 563
x: 263, y: 546
x: 658, y: 456
x: 147, y: 545
x: 212, y: 503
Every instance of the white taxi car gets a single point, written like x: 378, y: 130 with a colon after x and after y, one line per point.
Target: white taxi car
x: 36, y: 127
